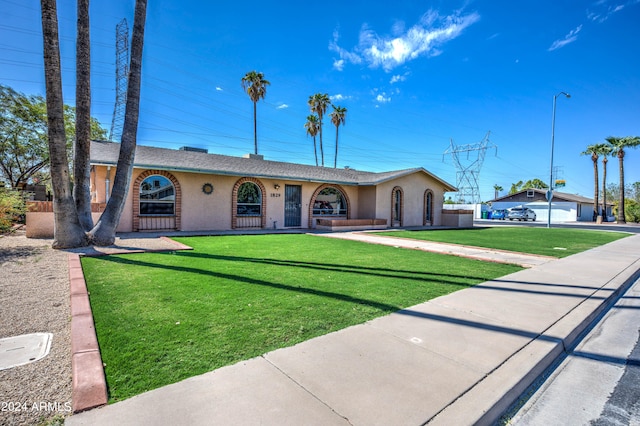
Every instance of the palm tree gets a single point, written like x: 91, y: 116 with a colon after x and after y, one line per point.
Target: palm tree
x: 515, y: 187
x: 67, y: 230
x: 497, y: 188
x: 104, y: 233
x: 338, y: 117
x: 318, y: 104
x: 605, y: 150
x: 313, y: 127
x: 594, y: 151
x: 81, y: 163
x: 618, y: 145
x: 255, y: 85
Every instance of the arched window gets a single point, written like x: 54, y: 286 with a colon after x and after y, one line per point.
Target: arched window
x: 396, y: 206
x: 330, y: 201
x: 249, y: 200
x: 428, y: 207
x: 157, y: 196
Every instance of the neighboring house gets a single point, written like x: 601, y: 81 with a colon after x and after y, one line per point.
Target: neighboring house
x: 564, y: 207
x: 189, y: 190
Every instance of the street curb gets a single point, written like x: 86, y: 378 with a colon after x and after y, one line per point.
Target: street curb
x: 485, y: 403
x: 89, y: 384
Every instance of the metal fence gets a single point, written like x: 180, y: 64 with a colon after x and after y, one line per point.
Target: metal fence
x: 249, y: 222
x: 156, y: 223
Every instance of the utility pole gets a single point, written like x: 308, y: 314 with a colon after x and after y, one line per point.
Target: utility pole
x: 468, y: 174
x: 122, y: 78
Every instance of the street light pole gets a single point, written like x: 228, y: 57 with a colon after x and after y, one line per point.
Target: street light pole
x: 553, y: 127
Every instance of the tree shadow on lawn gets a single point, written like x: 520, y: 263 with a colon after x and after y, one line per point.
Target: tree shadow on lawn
x: 420, y: 276
x: 321, y: 266
x: 336, y: 267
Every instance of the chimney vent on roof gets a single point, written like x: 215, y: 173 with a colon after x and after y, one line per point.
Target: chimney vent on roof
x: 193, y: 149
x: 254, y: 156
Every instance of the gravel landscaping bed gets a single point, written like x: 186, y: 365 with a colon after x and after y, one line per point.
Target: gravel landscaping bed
x: 34, y: 297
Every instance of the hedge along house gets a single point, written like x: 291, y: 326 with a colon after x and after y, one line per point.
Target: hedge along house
x: 189, y: 190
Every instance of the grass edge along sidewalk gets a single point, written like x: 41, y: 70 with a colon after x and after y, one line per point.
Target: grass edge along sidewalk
x: 554, y: 242
x: 164, y: 317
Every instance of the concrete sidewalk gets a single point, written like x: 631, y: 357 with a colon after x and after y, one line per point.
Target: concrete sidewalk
x: 489, y: 255
x: 459, y: 359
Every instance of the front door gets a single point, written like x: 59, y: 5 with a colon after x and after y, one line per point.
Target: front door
x: 292, y: 205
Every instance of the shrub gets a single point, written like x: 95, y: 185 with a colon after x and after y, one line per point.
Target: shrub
x: 12, y: 209
x: 631, y: 211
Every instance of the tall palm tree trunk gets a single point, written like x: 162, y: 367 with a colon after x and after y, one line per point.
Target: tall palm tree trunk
x: 104, y: 233
x: 82, y: 166
x: 604, y: 189
x: 321, y: 150
x: 255, y: 128
x: 335, y: 158
x: 315, y: 151
x: 595, y: 186
x: 67, y: 229
x: 621, y: 201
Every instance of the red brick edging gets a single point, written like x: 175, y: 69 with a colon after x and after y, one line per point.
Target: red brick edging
x: 89, y: 382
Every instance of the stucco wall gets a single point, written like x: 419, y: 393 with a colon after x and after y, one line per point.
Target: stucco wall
x: 457, y: 218
x: 367, y: 202
x: 413, y: 188
x: 41, y: 224
x: 98, y: 193
x: 208, y: 212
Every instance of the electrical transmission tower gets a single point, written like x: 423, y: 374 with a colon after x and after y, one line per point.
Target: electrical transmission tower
x: 122, y: 77
x: 468, y: 169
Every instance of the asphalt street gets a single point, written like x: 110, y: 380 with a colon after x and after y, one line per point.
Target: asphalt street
x: 598, y: 383
x: 633, y: 228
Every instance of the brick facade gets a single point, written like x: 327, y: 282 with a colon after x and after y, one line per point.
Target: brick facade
x: 234, y: 201
x: 136, y: 196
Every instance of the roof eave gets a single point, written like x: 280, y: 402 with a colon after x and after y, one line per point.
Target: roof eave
x: 226, y: 173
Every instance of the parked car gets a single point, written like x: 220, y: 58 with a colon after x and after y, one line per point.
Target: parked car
x: 521, y: 213
x: 499, y: 214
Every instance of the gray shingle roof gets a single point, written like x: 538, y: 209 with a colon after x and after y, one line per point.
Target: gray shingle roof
x: 556, y: 196
x: 147, y: 157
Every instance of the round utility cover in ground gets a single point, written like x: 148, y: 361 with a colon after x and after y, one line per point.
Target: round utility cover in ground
x: 20, y: 350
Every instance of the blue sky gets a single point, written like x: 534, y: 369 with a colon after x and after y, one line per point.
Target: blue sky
x: 412, y: 74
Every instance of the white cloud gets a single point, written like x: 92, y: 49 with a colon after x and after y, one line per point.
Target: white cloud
x: 218, y: 89
x: 604, y: 10
x: 282, y: 106
x: 344, y: 54
x: 339, y: 97
x: 422, y: 39
x: 382, y: 98
x: 398, y: 77
x: 569, y: 38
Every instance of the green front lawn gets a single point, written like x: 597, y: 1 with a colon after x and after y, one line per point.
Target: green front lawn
x: 556, y: 242
x: 163, y: 317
